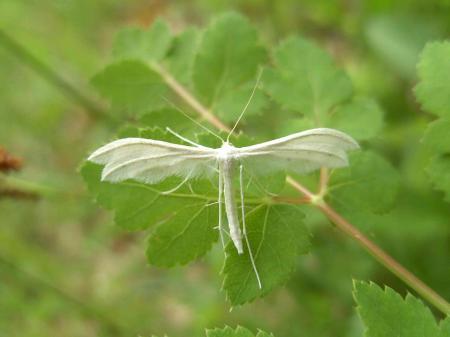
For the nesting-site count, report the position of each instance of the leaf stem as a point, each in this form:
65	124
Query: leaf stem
317	200
386	260
189	98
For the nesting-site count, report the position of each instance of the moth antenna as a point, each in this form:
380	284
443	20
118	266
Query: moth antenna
244	229
246	105
192	119
183	138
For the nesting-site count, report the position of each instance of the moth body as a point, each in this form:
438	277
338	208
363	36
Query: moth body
226	161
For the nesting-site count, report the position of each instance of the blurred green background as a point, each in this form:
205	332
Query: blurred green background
65	270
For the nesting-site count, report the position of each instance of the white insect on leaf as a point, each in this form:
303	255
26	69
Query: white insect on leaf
151	161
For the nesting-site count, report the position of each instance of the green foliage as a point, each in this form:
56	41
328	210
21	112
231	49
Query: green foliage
66	271
433	92
220	71
277	236
238	332
151	45
368	171
226	66
386	314
434	71
306	80
130	86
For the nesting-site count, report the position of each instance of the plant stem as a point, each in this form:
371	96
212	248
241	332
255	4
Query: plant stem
385	259
189	99
51	76
317	200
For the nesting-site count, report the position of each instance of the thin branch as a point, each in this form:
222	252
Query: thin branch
189	98
317	200
50	75
386	260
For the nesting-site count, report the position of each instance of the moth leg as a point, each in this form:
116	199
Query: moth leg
244	229
178	186
222	239
224	231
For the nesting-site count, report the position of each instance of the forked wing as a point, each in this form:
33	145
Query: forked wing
151	161
300	152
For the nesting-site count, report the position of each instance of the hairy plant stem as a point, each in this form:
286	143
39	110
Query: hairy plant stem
317	200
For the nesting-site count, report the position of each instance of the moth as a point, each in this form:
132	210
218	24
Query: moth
151	161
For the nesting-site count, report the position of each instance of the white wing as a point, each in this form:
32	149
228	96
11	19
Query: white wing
151	161
300	152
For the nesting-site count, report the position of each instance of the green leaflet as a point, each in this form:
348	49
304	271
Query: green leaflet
439	173
181	57
226	66
131	86
437	136
147	45
138	206
434	71
277	237
387	314
306	80
361	118
433	92
238	332
369	184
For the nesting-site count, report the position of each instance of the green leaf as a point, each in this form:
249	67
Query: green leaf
188	233
277	237
439	173
227	60
166	117
370	183
131	86
146	45
180	61
306	80
386	314
437	136
433	90
238	332
362	118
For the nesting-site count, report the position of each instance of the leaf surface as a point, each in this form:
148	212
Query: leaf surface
387	314
277	236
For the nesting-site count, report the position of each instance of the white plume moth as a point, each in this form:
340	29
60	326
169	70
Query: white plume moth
150	161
